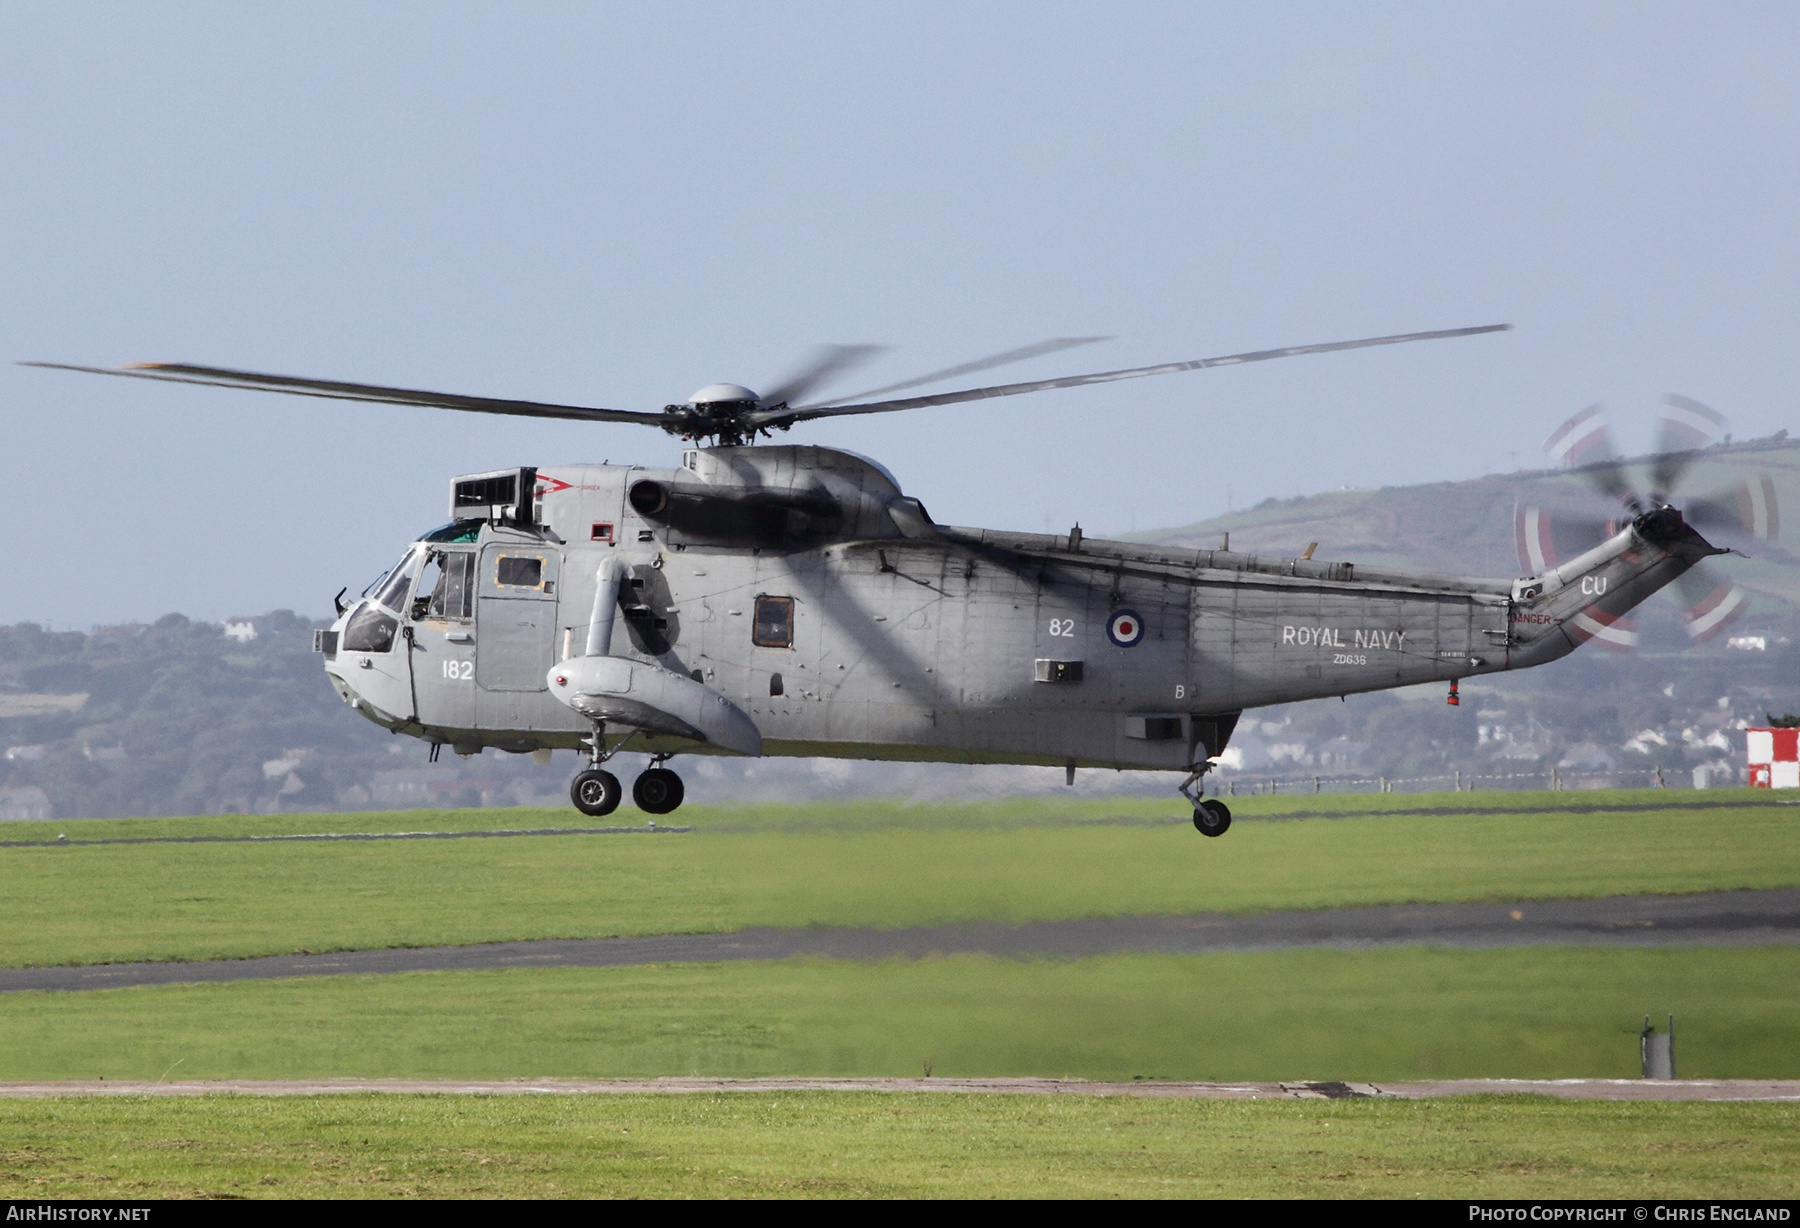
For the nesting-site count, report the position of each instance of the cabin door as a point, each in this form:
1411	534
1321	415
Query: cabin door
515	617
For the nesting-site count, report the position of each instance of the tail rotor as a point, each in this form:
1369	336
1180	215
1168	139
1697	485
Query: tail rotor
1710	603
1744	511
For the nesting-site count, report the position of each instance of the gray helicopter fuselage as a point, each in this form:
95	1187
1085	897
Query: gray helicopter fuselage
804	587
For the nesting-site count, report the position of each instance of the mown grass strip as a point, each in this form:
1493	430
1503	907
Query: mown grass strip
1394	1014
863	814
209	901
863	1145
498	833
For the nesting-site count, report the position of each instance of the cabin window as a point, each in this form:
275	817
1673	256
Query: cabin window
519	571
774	627
447	586
775	687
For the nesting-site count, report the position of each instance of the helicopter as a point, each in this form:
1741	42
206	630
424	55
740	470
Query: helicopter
793	600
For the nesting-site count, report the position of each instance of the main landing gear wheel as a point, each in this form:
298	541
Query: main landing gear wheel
658	791
1212	817
595	792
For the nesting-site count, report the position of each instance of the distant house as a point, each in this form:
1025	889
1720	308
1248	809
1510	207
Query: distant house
1530	751
1719	774
1700	743
1342	753
13	703
1587	757
443	787
275	769
1529	742
24	802
243	630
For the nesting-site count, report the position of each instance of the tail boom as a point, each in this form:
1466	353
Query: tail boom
1562	608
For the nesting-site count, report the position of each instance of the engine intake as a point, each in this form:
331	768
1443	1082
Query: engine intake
649	498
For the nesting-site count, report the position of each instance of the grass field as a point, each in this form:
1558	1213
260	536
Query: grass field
1375	1015
864	814
825	864
1381	1015
873	1145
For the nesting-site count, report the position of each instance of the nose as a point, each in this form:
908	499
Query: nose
341	667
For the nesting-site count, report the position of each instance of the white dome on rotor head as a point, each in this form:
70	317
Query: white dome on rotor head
721	392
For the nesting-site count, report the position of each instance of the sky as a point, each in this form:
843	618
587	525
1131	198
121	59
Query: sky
614	205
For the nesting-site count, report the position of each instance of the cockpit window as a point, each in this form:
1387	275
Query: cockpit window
393	590
774	623
370	630
446	586
519	571
377	582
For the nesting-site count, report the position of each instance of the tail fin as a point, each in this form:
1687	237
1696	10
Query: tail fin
1563	607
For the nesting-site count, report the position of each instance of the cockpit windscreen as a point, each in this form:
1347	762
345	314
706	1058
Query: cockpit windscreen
393	590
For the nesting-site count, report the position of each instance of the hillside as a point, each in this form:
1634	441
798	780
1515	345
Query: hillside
182	717
1468	528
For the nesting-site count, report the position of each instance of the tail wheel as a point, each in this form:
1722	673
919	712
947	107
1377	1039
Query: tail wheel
595	792
1212	817
658	791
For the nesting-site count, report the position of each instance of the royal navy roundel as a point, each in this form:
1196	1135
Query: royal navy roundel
1125	628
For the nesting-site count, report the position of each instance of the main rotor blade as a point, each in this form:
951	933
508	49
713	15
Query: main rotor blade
827	363
220	377
779	417
1035	350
